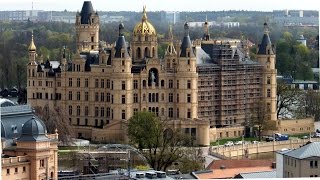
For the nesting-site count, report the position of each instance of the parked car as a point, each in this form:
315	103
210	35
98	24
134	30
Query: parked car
238	143
281	137
269	138
229	143
316	135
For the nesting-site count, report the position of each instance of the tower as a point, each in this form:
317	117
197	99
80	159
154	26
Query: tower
32	69
206	35
144	41
87	28
267	57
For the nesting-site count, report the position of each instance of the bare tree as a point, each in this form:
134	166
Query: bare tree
309	105
54	119
162	144
287	100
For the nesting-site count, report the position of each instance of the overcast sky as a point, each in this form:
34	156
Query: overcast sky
167	5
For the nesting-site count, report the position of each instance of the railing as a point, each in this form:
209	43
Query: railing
17	159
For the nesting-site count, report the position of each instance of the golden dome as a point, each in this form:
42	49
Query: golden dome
144	27
32	46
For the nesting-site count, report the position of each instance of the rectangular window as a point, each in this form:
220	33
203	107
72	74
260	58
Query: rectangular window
170	97
123	85
70	95
188	98
189	113
177	98
135	84
96	96
86	82
108	97
15	170
102	83
170	83
86	96
189	84
123	99
316	164
108	83
23	169
311	164
86	111
96	111
177	84
178	115
78	82
8	171
135	98
70	110
78	96
96	83
41	163
170	112
70	82
268	93
123	114
102	97
102	111
78	111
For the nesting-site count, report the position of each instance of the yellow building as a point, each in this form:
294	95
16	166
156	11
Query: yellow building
28	152
102	87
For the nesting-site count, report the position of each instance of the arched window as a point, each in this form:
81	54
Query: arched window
146	52
138	52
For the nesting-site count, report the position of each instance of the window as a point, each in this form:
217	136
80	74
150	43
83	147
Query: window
102	97
135	84
78	121
78	96
170	97
143	97
162	83
86	82
178	113
123	114
70	95
102	83
23	169
86	96
123	85
42	163
108	112
268	93
188	98
316	164
78	111
108	97
189	113
268	80
96	83
162	97
8	171
177	98
170	112
96	96
15	170
144	83
311	164
108	83
123	99
70	82
189	84
78	82
102	111
135	98
177	84
96	111
70	110
170	83
86	111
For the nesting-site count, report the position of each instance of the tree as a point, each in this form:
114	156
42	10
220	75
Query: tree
192	160
163	144
54	120
287	100
309	105
260	118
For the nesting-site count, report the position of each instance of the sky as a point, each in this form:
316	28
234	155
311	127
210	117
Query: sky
157	5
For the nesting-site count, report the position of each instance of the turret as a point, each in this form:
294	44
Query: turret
32	52
206	35
186	49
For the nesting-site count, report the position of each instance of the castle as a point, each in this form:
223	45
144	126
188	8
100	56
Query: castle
206	87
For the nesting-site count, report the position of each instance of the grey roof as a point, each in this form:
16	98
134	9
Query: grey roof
33	130
186	43
86	12
259	175
309	150
121	44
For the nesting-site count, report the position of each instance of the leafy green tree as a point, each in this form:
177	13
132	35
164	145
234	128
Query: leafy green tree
162	144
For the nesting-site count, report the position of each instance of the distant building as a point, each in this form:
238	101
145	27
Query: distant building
300	162
172	17
28	152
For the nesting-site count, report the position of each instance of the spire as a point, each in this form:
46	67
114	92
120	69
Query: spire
144	12
186	29
121	50
186	45
265	47
170	34
170	48
32	46
206	35
86	12
121	27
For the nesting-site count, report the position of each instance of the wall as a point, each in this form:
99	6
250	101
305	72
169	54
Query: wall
296	126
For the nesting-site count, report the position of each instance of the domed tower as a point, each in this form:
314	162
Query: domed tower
267	57
41	151
32	70
144	42
87	28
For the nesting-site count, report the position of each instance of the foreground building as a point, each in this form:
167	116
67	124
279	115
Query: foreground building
28	152
197	87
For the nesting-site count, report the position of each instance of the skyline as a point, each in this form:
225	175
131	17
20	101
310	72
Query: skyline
165	5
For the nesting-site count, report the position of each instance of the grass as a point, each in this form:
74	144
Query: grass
223	141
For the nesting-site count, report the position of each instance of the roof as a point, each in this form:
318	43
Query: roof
121	44
86	12
259	175
266	42
33	130
144	27
6	102
309	150
233	167
186	43
32	46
